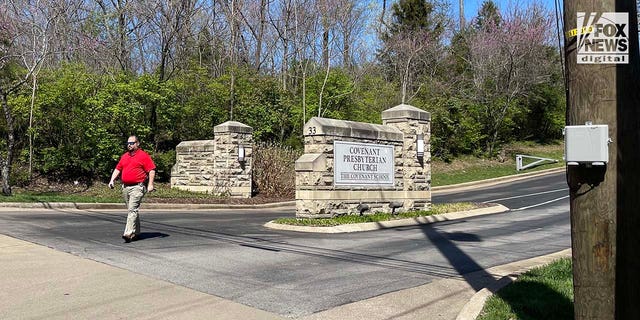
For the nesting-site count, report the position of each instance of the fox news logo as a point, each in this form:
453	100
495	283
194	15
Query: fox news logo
603	38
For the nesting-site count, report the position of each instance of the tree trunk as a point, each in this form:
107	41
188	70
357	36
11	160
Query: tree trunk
232	93
260	35
123	53
234	38
325	46
461	6
6	163
325	34
31	130
346	55
324	84
496	128
304	98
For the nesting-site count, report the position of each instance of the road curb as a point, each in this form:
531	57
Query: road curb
161	206
370	226
494	181
274	205
510	272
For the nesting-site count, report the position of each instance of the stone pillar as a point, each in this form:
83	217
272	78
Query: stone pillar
193	170
412	122
233	177
318	195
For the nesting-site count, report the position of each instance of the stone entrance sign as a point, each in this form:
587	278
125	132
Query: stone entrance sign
353	167
363	164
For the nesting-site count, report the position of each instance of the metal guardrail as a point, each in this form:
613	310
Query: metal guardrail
540	160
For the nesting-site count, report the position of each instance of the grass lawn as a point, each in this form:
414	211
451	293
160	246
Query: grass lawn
469	168
348	219
97	193
541	293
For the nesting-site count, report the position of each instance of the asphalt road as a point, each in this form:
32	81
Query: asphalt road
228	253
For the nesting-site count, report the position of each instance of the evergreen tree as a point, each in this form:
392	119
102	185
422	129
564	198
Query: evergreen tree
413	16
488	16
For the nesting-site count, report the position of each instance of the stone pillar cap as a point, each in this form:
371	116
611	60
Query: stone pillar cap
195	143
232	126
344	128
405	111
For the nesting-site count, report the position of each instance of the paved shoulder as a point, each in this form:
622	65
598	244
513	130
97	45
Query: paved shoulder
47	284
445	299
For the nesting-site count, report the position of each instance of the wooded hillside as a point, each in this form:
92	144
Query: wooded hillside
78	76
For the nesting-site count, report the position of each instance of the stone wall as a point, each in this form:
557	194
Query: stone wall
318	195
212	166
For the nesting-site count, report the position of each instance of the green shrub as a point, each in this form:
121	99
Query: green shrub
164	162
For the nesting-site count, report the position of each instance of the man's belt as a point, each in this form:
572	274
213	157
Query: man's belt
134	184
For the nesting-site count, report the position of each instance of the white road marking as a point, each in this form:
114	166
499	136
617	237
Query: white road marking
540	204
527	195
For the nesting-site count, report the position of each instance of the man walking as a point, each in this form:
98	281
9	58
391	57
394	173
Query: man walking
137	168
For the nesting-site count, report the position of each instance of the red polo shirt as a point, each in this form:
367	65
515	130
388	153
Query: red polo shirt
134	167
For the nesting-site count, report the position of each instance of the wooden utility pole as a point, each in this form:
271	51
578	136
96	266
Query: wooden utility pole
605	201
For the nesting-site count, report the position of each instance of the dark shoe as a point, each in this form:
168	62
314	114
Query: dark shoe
126	238
133	237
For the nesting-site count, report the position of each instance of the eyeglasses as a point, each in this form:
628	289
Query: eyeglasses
131	143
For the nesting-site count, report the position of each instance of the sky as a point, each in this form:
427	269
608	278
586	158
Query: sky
471	7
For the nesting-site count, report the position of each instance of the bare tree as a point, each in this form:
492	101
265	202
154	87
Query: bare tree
211	34
295	26
24	30
117	21
413	50
254	18
414	56
7	86
326	11
71	36
170	23
233	16
39	19
281	20
350	17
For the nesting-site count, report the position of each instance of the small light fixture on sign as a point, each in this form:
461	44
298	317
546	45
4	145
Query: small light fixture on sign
240	153
420	145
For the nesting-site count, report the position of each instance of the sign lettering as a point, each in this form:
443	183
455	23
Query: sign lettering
363	164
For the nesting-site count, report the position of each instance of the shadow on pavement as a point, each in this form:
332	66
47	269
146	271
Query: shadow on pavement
474	274
540	300
150	235
462	236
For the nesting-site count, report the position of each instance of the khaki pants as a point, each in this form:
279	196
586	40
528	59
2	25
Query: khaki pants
133	198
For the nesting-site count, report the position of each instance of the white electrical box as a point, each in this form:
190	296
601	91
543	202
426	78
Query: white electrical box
586	144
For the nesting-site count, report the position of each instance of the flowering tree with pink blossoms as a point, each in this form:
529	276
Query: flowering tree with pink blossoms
507	57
